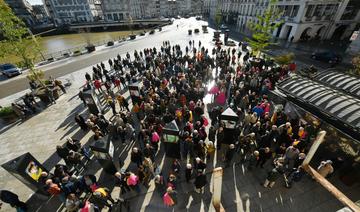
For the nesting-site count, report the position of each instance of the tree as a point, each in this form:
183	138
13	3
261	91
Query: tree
17	41
218	18
284	59
263	29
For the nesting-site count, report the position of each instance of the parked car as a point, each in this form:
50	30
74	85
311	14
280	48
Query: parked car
152	32
230	43
10	70
223	27
329	57
132	37
142	34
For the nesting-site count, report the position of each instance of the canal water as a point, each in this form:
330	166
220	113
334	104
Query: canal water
57	43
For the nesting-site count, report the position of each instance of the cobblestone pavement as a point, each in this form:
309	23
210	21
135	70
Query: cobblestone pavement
241	190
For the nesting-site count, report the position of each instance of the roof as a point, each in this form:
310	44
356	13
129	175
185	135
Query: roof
333	103
338	80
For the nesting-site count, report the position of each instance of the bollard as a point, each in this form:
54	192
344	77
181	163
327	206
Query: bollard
217	183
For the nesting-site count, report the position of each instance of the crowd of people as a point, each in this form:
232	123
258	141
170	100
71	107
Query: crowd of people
173	85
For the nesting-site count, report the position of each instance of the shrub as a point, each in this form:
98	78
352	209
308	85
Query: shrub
5	111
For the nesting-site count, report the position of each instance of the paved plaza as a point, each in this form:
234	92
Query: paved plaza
241	189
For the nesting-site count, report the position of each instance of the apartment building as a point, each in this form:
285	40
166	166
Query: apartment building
73	11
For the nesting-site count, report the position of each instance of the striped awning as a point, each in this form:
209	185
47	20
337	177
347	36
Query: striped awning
334	103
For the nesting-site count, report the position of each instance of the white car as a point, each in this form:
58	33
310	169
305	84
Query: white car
10	70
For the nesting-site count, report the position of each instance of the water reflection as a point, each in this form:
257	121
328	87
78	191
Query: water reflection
56	43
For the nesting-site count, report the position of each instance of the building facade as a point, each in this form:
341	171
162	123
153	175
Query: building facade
302	19
73	11
318	20
41	14
23	10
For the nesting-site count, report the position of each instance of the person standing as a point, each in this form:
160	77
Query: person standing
200	182
111	103
12	199
136	156
229	155
169	197
81	122
273	175
49	93
188	172
264	155
325	168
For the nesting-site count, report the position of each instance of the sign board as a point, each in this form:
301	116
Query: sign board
354	35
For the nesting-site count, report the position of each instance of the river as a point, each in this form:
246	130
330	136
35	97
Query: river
57	43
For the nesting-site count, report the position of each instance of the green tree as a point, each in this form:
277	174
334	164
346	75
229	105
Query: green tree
218	18
263	29
17	41
284	59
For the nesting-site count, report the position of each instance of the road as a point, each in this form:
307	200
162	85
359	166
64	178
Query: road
61	68
171	33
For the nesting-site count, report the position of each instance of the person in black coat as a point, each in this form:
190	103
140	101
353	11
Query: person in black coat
12	199
81	122
199	166
136	156
264	155
200	182
229	155
188	172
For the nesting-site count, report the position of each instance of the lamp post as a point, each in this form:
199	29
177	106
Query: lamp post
103	150
229	120
171	140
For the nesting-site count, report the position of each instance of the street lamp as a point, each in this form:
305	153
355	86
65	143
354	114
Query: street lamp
171	140
229	120
103	150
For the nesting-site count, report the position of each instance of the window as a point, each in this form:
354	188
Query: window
287	10
295	11
351	10
309	11
319	11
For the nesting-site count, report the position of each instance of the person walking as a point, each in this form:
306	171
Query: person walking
12	199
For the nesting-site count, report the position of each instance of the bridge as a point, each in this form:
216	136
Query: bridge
107	24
